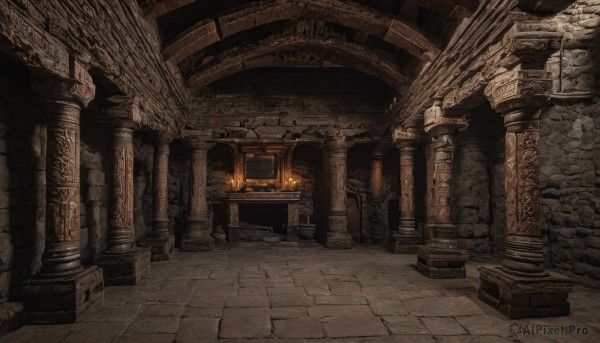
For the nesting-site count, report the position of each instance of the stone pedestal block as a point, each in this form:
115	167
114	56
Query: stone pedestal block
339	240
233	234
63	300
161	248
404	244
11	317
125	269
292	234
439	263
523	296
197	244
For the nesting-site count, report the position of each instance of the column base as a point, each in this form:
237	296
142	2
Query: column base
11	316
197	244
522	296
439	263
403	244
126	269
339	240
161	248
233	234
292	234
63	300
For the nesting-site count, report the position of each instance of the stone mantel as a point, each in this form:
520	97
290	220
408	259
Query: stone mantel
265	197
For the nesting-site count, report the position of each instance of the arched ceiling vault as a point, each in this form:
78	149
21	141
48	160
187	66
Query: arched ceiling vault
396	31
288	50
388	39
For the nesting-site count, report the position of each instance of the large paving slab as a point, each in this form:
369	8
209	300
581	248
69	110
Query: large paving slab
307	327
352	325
442	307
245	323
197	330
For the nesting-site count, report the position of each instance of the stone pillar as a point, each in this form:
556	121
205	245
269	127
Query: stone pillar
406	240
161	242
122	262
63	290
521	287
376	230
441	258
197	236
338	236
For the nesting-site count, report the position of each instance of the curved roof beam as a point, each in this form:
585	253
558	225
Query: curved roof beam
327	52
393	30
159	7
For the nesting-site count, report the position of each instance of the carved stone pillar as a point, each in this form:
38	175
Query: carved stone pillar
122	262
161	242
521	287
441	258
197	236
375	231
405	240
338	236
63	290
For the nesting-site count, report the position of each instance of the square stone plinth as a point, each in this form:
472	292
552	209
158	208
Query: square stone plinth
339	240
522	296
197	244
437	263
399	244
63	300
161	248
126	269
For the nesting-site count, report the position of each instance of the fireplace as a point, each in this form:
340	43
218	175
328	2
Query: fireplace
276	211
270	217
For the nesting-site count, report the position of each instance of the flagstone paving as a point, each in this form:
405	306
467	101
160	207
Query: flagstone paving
253	292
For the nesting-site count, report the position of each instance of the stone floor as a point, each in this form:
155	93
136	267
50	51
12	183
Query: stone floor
261	293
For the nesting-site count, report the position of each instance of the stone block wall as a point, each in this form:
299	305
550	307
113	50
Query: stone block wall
570	149
22	182
479	182
307	167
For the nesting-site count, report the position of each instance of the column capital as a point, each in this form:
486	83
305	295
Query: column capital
532	42
404	137
122	111
56	89
444	122
338	143
161	138
197	139
519	89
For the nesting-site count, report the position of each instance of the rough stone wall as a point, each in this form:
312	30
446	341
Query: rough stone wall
143	153
22	183
179	168
570	149
476	180
95	145
281	103
307	167
113	38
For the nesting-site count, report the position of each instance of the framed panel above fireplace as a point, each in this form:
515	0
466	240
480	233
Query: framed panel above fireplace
262	165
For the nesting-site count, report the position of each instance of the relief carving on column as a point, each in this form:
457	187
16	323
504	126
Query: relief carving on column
519	88
160	175
405	140
122	181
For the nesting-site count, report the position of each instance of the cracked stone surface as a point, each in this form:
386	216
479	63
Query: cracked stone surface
259	293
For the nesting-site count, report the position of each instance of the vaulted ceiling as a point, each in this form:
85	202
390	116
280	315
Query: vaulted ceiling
387	39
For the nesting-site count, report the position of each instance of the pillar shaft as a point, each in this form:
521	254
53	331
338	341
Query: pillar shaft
407	191
197	217
120	238
61	255
524	255
443	230
197	236
160	188
376	181
337	233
